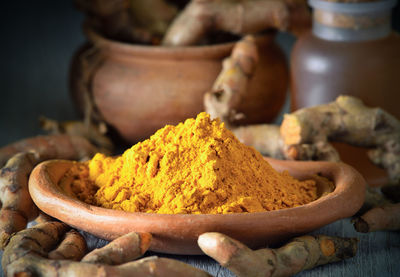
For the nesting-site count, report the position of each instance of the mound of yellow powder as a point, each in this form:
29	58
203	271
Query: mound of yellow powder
195	167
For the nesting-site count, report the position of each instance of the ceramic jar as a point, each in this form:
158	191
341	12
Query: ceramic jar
138	89
350	50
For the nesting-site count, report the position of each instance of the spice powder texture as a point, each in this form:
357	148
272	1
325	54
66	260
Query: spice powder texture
196	167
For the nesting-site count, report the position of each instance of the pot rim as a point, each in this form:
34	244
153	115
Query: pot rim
169	52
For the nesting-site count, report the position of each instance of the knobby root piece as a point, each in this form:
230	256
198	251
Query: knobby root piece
379	211
72	247
231	84
95	133
374	198
50	147
381	218
17	206
345	120
265	138
151	266
43	218
26	252
387	153
38	240
300	254
238	17
120	250
229	90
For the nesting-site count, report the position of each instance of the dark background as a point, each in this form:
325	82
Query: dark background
38	39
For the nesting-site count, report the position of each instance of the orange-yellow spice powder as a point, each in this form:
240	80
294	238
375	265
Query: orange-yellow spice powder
196	167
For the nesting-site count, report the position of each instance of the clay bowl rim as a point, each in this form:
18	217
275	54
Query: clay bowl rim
171	232
219	50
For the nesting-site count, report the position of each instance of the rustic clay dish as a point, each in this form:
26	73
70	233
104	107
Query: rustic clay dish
178	233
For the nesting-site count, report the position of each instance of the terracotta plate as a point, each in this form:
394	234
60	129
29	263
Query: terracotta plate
178	233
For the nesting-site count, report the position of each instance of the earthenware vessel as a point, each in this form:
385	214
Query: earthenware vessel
138	89
178	233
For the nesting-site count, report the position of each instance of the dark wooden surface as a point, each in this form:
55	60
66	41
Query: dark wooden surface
38	40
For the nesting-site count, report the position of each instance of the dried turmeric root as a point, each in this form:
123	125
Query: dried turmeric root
50	147
72	247
300	254
380	211
17	206
120	250
231	83
266	138
346	120
26	255
374	198
228	91
238	17
379	218
95	133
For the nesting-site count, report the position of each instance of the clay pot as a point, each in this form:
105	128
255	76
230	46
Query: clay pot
139	89
178	233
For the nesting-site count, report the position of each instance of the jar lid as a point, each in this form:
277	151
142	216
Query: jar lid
351	6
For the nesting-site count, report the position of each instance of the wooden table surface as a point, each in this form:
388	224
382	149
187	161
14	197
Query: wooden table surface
38	40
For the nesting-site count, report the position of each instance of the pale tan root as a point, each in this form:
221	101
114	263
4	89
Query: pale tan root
346	120
231	83
379	218
72	247
120	250
265	138
228	91
374	198
238	17
380	211
26	252
299	254
387	154
151	266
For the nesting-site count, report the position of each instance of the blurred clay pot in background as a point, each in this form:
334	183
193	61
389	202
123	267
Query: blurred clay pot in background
138	89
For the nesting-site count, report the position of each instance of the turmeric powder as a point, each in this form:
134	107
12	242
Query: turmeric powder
196	167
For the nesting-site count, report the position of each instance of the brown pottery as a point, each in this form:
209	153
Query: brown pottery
138	89
178	233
